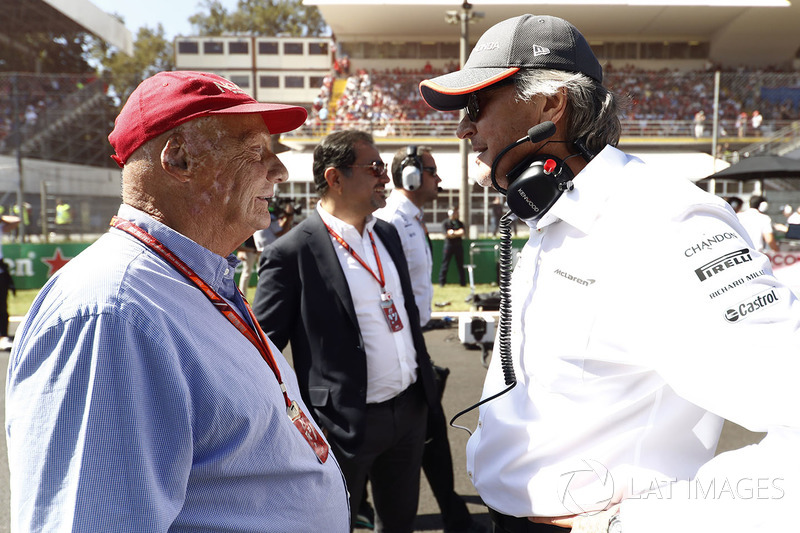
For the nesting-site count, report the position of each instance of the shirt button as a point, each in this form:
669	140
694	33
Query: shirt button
227	271
469	473
480	424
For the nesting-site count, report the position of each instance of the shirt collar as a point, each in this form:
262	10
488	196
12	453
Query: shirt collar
593	186
214	269
341	227
402	204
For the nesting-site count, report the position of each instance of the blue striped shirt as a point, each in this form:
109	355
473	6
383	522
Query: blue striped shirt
132	404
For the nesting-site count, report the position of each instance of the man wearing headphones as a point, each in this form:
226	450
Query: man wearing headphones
416	183
627	343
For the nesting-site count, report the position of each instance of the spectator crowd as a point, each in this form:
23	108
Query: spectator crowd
384	101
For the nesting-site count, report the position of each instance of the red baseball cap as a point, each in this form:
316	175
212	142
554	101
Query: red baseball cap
168	99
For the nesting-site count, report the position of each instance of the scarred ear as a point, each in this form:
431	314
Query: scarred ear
174	158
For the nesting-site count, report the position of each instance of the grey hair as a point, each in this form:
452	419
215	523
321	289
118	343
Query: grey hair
594	110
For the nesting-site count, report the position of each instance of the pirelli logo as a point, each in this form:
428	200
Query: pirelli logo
723	263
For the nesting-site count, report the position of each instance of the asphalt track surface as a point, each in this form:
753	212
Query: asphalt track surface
463	389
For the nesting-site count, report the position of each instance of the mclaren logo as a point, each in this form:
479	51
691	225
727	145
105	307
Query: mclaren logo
579	281
757	302
723	263
528	200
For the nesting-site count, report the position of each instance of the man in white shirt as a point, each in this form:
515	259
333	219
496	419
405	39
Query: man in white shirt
758	224
626	344
416	183
337	287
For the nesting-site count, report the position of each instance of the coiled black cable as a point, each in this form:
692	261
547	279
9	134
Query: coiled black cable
504	328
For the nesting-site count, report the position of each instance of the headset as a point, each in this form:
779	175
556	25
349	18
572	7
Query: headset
537	181
411	169
535	184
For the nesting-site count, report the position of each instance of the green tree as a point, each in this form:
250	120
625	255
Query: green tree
261	18
152	53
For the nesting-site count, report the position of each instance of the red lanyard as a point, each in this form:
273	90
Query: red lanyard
253	333
381	280
255	336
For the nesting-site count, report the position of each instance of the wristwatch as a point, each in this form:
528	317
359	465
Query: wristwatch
615	524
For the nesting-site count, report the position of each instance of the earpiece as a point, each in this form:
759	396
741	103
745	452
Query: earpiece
535	185
411	169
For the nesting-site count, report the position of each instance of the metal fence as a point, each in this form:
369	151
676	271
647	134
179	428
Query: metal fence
67	118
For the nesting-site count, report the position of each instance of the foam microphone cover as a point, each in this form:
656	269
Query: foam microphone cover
542	131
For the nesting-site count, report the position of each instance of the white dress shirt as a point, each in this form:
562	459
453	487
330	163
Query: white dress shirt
640	318
407	218
391	357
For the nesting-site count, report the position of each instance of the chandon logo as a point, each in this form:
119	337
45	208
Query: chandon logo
750	305
723	263
528	200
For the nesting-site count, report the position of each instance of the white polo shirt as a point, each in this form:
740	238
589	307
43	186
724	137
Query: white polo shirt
640	318
407	218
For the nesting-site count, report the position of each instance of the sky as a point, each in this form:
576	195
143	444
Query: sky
172	14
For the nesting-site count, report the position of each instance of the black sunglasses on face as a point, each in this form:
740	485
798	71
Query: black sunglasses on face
432	170
473	105
378	168
473	109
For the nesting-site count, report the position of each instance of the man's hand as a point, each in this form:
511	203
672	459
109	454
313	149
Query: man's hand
596	523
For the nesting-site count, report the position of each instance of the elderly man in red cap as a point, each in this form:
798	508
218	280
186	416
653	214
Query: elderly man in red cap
142	395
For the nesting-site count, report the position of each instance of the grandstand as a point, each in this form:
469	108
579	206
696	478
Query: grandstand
664	57
54	127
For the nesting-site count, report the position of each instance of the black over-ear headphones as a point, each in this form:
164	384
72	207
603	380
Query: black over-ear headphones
411	169
537	181
535	185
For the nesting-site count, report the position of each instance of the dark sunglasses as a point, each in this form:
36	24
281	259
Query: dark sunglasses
378	168
473	103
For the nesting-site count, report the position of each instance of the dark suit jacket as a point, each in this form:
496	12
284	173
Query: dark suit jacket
303	298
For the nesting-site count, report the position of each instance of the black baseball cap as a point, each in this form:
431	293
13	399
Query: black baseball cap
524	42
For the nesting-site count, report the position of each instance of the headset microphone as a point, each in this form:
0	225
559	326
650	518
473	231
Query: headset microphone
537	181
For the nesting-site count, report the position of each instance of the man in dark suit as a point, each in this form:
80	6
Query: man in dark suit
337	287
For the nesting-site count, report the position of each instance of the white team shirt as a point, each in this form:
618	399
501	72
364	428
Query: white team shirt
407	218
635	327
